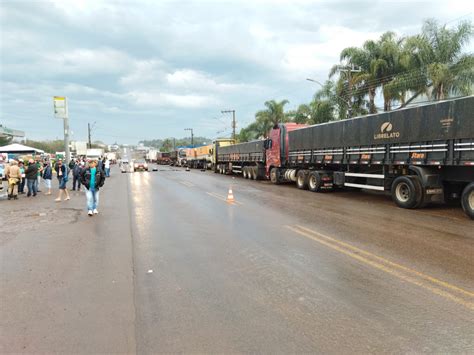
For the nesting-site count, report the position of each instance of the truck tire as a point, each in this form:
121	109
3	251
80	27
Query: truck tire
275	176
302	179
467	200
407	192
314	181
254	170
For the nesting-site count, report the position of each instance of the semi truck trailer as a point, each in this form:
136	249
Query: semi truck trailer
419	155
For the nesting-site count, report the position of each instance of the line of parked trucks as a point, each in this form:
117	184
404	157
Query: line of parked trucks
419	155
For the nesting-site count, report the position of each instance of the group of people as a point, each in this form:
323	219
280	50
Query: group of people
91	174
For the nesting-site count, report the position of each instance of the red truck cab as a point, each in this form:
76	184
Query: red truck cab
276	145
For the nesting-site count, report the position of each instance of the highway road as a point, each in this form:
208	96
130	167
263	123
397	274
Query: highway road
283	270
278	270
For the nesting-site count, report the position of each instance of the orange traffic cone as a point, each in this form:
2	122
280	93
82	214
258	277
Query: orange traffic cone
230	195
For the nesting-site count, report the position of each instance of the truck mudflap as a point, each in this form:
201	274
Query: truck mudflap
433	195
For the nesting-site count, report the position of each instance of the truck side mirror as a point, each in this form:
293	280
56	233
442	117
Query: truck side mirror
267	144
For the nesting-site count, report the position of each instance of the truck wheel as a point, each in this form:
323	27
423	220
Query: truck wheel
314	181
407	192
467	200
254	173
275	176
302	180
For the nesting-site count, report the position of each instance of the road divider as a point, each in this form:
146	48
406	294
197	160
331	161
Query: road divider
441	288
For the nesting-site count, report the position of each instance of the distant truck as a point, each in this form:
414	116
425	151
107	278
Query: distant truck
151	155
81	148
94	153
163	158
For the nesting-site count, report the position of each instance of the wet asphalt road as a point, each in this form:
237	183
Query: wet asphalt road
168	266
284	270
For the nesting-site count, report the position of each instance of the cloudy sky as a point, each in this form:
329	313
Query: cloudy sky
149	69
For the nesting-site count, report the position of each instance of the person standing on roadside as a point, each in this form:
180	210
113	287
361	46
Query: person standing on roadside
107	167
93	179
13	178
21	187
62	173
39	174
76	177
31	174
47	177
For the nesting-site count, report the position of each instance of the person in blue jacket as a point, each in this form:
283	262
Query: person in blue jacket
93	179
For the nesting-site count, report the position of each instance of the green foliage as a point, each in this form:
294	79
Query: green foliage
168	144
48	146
400	69
5	141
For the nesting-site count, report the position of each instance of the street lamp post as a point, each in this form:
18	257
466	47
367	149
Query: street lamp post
348	103
192	136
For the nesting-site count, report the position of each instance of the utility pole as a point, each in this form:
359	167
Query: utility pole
233	121
192	136
89	130
347	103
350	69
89	134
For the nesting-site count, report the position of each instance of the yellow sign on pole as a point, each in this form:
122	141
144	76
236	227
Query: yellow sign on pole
60	107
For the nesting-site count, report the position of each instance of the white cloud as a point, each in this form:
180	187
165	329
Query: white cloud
307	58
183	60
161	99
89	61
144	73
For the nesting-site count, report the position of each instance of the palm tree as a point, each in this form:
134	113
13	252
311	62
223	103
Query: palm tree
436	56
322	111
275	111
303	114
365	79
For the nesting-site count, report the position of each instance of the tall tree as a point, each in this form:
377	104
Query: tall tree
275	111
167	145
5	141
302	114
436	57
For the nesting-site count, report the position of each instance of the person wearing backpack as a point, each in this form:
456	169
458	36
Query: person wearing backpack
93	179
62	173
31	174
47	177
